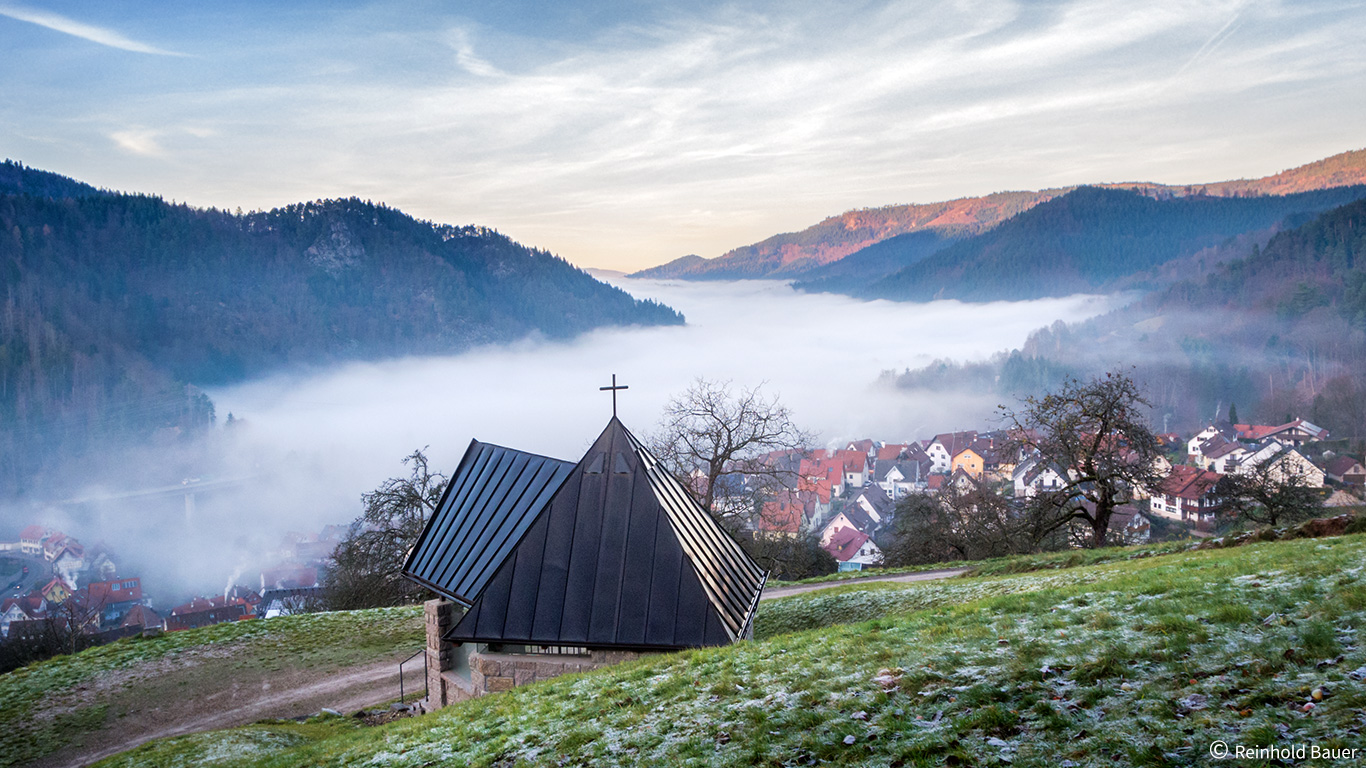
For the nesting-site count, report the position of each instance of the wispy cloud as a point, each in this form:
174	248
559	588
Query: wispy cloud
89	32
708	127
138	141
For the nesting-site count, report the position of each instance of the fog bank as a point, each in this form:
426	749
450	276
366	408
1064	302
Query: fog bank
821	354
309	443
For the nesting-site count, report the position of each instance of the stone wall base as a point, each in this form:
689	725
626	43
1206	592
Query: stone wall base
489	672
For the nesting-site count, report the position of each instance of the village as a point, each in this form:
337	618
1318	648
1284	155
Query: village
845	497
58	587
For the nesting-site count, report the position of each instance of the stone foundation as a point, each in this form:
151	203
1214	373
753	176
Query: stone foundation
456	673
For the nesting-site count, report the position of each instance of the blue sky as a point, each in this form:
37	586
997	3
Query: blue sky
622	136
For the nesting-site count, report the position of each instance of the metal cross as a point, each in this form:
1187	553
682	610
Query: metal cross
614	389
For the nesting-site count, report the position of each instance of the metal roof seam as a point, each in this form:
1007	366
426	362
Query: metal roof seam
686	528
419	552
474	521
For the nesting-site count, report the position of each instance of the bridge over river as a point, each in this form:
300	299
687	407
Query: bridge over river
102	501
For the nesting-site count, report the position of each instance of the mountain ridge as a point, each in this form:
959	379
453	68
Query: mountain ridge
1084	241
795	254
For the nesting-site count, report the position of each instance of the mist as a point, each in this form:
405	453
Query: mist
306	444
821	354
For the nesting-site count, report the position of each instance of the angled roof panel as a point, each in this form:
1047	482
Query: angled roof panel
731	579
621	556
488	505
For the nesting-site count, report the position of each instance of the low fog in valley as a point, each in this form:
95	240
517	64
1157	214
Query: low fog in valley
305	444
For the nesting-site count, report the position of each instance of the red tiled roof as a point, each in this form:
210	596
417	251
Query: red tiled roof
31	604
845	543
780	517
140	616
820	487
33	533
1189	483
954	442
1222	449
103	592
890	452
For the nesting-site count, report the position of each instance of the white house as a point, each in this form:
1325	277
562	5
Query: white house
898	479
875	504
1034	476
24	608
1282	465
944	447
855	469
1186	494
851	518
31	539
1220	455
853	550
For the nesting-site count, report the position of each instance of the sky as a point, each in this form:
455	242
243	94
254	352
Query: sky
622	135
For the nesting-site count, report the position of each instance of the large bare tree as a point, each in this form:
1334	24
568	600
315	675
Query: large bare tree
718	439
955	524
1096	432
366	569
1269	495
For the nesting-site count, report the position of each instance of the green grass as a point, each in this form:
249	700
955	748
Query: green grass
49	705
1010	564
230	748
1141	661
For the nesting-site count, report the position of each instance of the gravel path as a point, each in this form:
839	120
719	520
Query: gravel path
227	698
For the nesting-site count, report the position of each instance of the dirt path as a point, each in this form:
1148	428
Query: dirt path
770	594
211	697
215	692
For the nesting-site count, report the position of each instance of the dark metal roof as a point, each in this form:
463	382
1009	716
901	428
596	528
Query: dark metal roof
623	557
490	501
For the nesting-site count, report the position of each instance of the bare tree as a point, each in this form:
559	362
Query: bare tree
1097	433
718	441
1269	495
366	569
790	557
955	524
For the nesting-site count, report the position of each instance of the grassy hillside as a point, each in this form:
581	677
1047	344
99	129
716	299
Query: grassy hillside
58	703
1144	662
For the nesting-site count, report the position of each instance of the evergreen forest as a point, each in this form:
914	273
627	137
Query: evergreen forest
117	307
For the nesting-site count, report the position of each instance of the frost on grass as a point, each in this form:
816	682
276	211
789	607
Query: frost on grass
48	705
1132	663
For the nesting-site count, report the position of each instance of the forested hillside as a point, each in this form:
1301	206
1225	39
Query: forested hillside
1319	264
852	273
1084	240
1280	332
804	253
113	303
796	253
